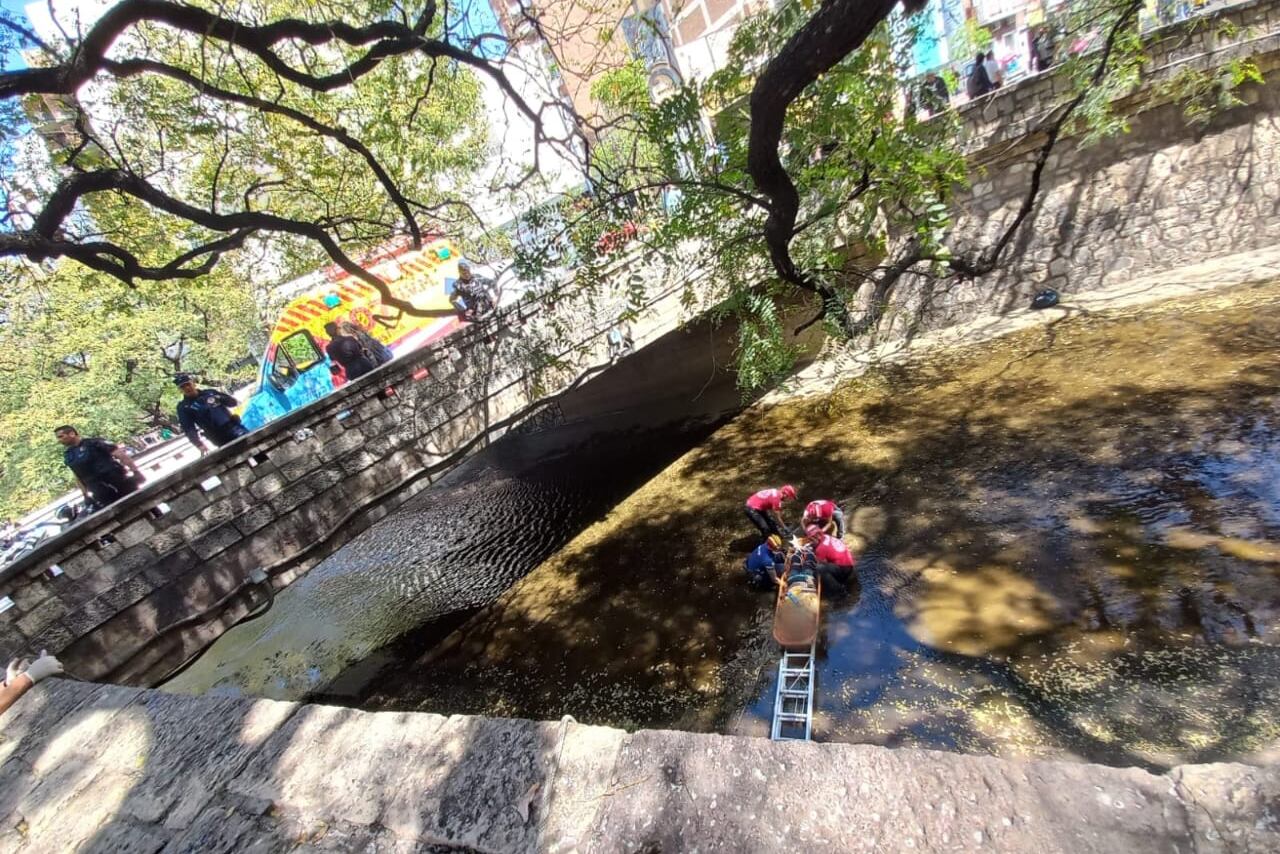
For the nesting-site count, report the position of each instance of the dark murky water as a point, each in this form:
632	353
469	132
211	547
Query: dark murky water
411	577
1070	547
1071	543
1081	557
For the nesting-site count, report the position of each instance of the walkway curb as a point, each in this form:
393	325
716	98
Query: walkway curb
105	768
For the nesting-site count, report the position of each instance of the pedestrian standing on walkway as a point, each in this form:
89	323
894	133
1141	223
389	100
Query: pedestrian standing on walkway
619	340
103	470
378	352
346	351
209	410
994	72
935	97
472	295
978	83
1042	50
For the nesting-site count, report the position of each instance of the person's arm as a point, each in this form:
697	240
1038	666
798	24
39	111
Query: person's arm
123	458
20	680
188	422
777	515
227	400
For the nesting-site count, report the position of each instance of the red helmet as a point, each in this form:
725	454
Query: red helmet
813	532
788	492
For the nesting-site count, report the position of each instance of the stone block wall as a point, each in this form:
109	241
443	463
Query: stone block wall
136	589
1165	194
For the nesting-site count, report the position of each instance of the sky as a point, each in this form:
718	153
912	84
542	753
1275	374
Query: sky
14	9
477	17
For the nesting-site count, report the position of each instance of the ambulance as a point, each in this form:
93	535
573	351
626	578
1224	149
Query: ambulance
295	369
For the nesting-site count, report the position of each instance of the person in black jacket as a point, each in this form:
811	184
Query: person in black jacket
979	82
207	409
375	349
934	95
103	470
346	351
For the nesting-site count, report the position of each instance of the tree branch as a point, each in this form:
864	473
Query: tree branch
837	29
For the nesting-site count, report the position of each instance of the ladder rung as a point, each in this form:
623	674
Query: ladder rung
793	701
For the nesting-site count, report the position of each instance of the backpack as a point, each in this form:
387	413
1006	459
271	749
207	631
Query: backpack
978	83
1047	298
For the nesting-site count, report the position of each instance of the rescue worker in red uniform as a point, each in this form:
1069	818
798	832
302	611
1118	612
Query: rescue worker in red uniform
835	562
764	509
826	514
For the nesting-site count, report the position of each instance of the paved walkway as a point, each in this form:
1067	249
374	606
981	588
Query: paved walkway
104	768
841	361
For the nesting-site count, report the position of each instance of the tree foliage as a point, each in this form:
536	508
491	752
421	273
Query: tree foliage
173	131
819	187
81	347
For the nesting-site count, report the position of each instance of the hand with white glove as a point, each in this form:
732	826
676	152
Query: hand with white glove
43	667
15	670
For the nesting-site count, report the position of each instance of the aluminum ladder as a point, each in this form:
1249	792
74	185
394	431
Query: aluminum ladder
793	702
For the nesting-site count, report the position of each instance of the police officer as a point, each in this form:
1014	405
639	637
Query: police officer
101	468
207	409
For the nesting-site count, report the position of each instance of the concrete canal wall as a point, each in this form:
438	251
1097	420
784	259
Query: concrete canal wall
105	768
1168	193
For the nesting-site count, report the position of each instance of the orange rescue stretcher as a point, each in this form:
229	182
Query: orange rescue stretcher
798	609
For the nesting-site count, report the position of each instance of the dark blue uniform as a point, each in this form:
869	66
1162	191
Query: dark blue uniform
104	478
760	561
208	411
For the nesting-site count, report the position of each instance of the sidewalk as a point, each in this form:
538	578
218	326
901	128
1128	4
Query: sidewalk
104	768
840	361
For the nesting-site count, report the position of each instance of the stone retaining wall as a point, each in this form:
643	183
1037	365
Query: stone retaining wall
99	768
1166	194
136	589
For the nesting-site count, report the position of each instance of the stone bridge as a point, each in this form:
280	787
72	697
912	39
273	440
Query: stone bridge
136	589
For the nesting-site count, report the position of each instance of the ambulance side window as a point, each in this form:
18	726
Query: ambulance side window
283	373
302	350
294	355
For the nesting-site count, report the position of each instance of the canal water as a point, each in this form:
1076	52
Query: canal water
446	552
1069	540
